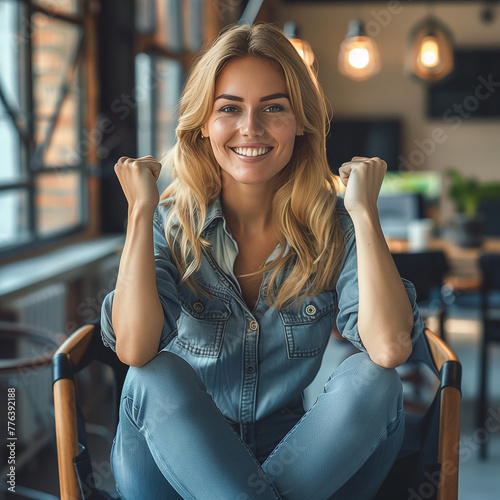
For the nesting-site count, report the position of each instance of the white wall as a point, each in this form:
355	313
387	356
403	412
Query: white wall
471	145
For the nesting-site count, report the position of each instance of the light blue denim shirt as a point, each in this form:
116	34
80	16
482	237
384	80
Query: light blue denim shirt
252	362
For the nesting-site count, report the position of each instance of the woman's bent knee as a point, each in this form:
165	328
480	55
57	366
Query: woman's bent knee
166	384
366	381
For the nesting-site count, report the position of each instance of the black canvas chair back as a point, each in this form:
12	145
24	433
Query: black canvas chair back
426	270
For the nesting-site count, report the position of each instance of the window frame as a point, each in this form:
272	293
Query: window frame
31	163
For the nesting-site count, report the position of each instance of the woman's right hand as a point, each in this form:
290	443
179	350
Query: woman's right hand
138	178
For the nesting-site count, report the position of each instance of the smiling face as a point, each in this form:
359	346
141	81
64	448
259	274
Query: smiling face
252	127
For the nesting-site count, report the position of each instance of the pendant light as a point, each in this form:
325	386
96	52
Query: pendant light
430	54
358	55
303	47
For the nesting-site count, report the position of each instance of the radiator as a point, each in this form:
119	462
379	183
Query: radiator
44	309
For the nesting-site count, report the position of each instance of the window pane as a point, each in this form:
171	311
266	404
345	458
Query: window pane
14	219
54	46
57	201
60	6
144	107
11	44
145	13
10	40
167	97
63	146
168	16
166	111
193	16
9	145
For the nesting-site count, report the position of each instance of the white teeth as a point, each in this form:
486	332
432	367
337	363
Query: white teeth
252	151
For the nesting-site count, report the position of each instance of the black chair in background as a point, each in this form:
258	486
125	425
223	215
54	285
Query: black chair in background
489	209
426	270
490	315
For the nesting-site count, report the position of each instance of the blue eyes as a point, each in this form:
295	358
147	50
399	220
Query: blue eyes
275	108
228	109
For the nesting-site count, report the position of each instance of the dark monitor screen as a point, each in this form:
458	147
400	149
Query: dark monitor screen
363	137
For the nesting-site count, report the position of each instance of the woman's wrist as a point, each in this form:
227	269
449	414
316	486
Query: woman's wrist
365	216
141	211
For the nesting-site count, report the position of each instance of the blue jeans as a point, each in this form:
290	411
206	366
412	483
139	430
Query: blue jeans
172	441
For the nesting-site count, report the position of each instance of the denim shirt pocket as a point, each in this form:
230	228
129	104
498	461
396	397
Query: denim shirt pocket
308	328
202	323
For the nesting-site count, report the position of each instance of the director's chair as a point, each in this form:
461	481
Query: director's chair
428	459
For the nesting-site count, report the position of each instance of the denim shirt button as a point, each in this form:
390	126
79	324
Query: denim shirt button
250	369
198	307
253	325
310	310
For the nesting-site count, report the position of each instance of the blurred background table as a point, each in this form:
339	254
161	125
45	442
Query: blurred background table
464	273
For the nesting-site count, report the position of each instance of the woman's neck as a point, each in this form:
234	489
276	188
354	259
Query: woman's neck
247	209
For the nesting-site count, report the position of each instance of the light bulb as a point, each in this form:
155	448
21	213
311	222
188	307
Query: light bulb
429	52
359	58
358	54
304	49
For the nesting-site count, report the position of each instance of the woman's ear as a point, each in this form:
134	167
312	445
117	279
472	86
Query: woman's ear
300	130
204	130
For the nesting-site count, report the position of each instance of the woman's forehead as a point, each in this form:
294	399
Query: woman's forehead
250	75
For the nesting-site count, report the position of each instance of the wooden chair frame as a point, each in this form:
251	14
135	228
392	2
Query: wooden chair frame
450	371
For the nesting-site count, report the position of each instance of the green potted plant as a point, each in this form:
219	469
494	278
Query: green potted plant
467	194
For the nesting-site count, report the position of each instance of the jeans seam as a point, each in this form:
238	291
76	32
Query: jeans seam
377	444
142	428
266	478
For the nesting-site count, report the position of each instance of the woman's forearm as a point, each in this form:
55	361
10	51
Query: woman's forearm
137	315
385	317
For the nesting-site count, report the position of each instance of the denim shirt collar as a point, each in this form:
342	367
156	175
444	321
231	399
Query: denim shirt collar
214	214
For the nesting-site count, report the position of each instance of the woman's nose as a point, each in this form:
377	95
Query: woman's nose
251	125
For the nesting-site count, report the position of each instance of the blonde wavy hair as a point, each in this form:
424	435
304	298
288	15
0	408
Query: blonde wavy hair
305	196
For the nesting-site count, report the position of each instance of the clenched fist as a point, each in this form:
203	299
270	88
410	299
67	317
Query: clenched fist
362	178
138	178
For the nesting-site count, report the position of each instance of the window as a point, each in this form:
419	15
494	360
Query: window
170	32
43	108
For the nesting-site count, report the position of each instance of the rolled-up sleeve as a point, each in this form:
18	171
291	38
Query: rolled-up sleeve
166	279
348	300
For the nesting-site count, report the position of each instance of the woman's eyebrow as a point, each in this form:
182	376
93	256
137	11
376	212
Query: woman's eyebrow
279	95
230	97
270	97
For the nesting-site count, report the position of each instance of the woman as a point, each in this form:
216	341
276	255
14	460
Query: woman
229	289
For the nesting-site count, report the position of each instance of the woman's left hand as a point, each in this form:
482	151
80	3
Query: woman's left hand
362	178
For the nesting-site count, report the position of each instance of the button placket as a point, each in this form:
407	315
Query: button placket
250	369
